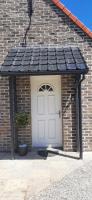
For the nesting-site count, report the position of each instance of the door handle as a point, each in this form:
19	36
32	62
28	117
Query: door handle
59	113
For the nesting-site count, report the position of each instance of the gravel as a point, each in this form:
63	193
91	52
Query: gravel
76	186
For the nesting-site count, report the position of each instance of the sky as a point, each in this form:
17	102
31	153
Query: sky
82	9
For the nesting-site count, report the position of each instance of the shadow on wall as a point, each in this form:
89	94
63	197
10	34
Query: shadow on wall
69	110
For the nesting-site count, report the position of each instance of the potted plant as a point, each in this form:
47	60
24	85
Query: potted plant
22	120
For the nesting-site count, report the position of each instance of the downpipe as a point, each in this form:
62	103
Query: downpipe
79	80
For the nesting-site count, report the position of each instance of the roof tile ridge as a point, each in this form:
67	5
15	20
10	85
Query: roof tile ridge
72	17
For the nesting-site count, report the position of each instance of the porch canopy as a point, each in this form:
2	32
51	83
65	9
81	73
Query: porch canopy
44	61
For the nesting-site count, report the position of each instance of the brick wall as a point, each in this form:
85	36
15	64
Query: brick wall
23	92
69	112
49	26
5	133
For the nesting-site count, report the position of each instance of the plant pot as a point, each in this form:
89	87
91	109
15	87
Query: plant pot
22	149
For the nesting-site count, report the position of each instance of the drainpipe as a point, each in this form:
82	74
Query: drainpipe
12	117
80	117
79	113
12	92
30	11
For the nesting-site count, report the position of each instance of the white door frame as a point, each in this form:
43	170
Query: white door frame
50	79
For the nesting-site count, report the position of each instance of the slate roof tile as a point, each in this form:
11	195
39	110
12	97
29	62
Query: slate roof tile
17	58
61	67
51	53
42	49
51	49
71	66
59	53
61	61
39	59
43	57
43	53
59	49
28	58
12	54
35	54
34	67
68	56
60	57
26	62
67	49
21	50
77	56
79	61
43	62
28	54
28	50
20	54
43	67
17	63
9	58
52	67
13	50
70	60
51	57
34	62
51	61
8	62
80	66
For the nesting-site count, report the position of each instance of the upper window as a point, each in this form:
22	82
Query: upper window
46	87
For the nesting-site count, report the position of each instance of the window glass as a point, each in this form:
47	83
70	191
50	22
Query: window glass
45	87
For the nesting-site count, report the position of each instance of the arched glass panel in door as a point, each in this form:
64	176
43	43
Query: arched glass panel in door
45	87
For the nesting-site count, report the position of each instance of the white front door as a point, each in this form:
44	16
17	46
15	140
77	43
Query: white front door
46	111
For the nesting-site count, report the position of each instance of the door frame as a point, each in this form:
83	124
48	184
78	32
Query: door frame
32	121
